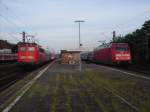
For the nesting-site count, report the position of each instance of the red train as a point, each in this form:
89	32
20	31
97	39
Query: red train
32	54
112	53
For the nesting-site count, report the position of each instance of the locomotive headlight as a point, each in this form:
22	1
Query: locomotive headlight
118	55
128	57
117	58
30	57
22	57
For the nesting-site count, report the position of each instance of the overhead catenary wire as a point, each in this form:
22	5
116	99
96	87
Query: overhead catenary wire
119	26
12	13
9	34
5	18
16	39
11	22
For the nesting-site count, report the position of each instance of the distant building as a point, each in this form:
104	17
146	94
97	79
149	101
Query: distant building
70	57
6	47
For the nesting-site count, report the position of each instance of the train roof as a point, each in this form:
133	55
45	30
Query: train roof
108	45
24	43
119	43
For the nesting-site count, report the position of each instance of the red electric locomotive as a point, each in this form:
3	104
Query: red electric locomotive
32	54
112	53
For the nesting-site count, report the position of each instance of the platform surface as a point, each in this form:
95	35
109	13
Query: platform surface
63	88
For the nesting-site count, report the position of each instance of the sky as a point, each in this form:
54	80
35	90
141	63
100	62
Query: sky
52	21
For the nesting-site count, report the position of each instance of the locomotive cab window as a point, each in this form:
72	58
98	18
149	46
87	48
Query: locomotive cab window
22	49
121	49
31	49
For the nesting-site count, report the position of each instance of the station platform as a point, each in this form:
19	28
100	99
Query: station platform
63	88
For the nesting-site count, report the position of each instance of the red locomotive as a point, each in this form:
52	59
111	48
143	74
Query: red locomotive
32	54
112	53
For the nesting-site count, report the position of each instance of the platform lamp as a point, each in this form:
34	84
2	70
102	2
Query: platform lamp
80	21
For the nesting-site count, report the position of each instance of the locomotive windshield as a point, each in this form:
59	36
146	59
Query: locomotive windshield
22	49
122	49
31	49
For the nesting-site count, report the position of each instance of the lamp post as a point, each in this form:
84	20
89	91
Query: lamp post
80	21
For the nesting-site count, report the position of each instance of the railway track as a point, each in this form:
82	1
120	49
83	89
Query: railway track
131	72
144	69
115	81
10	74
128	70
22	86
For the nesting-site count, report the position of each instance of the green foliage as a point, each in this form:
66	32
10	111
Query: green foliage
137	42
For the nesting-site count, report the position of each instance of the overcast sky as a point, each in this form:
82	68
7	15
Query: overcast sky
52	21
